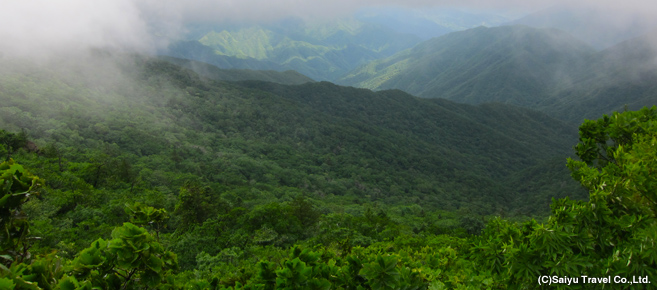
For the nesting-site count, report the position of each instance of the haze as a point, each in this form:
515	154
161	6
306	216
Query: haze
35	28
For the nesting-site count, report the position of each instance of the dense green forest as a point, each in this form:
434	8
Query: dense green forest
289	77
133	173
509	64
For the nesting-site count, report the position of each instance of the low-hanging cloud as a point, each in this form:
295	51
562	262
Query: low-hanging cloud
40	27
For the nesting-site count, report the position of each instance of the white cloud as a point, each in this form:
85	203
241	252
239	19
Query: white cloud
38	27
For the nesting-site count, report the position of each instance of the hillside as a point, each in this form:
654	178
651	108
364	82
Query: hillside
543	69
322	51
194	50
222	184
324	139
210	71
512	64
125	167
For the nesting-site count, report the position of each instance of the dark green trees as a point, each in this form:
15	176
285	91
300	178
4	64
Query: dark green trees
10	142
16	186
613	234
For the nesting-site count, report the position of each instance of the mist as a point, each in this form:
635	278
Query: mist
39	28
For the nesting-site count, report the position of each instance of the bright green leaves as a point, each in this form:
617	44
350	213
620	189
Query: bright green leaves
70	283
613	233
137	251
267	274
37	275
599	138
132	255
132	245
16	186
381	274
90	258
146	215
6	284
300	271
625	180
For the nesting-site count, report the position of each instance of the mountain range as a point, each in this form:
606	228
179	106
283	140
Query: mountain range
320	51
323	138
544	69
494	113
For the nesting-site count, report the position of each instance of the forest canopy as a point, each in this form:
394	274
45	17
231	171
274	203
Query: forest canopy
293	245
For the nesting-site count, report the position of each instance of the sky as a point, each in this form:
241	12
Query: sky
31	27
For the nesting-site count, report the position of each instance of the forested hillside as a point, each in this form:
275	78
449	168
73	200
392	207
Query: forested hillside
326	139
510	64
217	238
321	51
544	69
209	71
199	145
262	163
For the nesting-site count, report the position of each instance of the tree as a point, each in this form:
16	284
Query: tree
614	232
133	258
16	186
12	142
194	205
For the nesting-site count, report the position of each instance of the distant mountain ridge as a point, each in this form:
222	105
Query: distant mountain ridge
320	51
544	69
289	77
510	64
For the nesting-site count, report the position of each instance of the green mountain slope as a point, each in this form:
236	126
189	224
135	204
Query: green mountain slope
210	71
322	51
336	143
196	51
511	64
543	69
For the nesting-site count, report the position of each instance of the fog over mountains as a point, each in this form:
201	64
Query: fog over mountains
361	144
445	56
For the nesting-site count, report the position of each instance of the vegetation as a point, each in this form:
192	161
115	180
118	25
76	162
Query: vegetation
322	51
508	64
212	72
611	234
543	69
150	177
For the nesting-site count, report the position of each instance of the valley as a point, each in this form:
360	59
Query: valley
391	149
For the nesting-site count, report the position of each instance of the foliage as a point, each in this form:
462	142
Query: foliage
273	186
16	186
610	234
320	51
133	257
